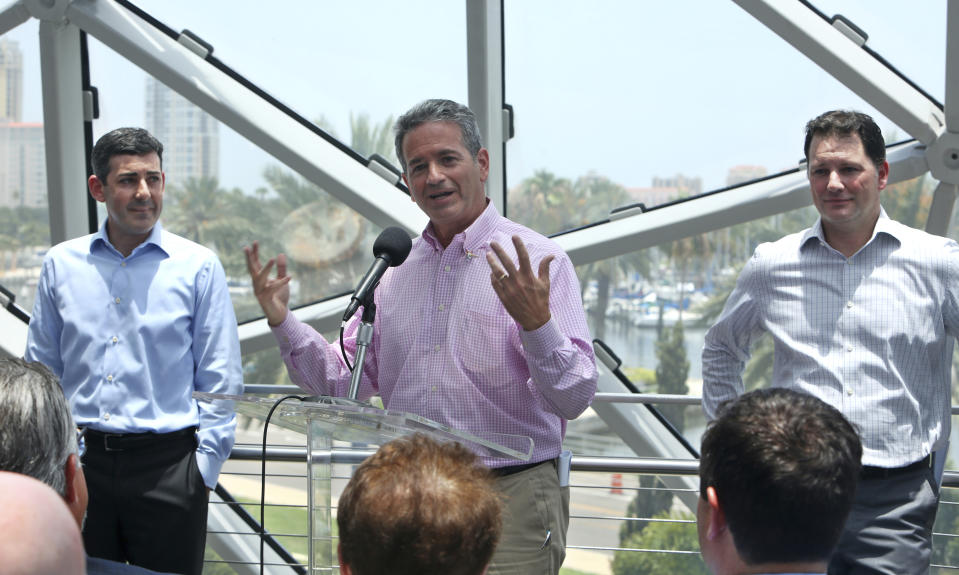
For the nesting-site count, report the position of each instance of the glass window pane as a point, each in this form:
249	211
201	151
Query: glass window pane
653	307
224	192
921	56
24	216
634	301
333	62
663	99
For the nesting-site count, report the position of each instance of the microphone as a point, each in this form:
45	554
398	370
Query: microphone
390	249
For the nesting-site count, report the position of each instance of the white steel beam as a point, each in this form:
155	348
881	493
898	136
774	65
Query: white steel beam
12	15
246	113
713	212
324	317
638	232
940	212
13	333
484	53
851	65
63	130
952	66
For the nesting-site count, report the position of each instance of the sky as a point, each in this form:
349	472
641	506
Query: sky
628	90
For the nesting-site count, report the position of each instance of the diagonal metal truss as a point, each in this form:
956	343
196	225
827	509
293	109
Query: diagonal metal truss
178	63
845	59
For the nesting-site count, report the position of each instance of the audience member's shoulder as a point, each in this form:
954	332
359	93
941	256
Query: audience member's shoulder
98	566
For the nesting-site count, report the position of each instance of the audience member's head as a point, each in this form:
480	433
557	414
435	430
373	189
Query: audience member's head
38	437
843	123
123	142
439	111
37	534
419	506
778	474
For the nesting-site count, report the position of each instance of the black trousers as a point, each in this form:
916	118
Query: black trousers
148	502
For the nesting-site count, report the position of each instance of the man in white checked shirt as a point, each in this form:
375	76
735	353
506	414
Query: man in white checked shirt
863	312
482	329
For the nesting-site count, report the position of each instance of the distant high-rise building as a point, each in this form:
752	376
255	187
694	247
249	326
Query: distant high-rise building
742	174
23	174
686	186
190	136
654	196
11	81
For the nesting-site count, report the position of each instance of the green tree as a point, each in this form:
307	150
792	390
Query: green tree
600	196
368	138
545	203
652	498
549	204
322	237
27	226
672	371
665	536
685	253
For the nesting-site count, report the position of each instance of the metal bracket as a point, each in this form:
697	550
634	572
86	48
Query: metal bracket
943	158
49	10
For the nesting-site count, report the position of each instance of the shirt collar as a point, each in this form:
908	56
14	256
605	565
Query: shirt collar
472	240
155	238
884	225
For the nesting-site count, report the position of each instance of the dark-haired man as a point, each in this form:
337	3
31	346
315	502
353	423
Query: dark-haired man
482	329
133	320
863	312
777	478
419	506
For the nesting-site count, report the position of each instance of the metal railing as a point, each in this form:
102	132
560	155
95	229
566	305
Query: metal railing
602	489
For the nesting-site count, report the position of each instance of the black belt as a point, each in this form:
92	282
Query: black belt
870	472
511	469
127	441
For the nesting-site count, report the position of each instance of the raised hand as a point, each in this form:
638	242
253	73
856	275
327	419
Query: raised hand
524	295
273	294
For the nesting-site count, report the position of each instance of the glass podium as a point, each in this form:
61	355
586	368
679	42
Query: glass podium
325	420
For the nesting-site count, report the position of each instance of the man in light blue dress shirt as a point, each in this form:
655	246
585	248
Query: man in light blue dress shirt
133	320
863	312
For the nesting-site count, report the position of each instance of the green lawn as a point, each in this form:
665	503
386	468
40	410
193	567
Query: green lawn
285	520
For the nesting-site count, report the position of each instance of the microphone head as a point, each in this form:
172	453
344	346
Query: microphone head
393	244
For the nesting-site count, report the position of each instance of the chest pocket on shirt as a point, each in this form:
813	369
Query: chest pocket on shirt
487	347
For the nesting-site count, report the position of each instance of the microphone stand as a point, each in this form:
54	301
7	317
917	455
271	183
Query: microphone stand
363	338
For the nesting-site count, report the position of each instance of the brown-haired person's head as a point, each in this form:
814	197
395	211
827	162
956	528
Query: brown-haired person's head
419	506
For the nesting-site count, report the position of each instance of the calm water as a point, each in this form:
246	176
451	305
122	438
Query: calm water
637	346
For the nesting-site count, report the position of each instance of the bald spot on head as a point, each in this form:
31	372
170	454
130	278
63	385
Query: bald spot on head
38	535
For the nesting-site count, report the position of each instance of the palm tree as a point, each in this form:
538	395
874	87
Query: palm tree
544	203
549	204
305	215
368	138
194	207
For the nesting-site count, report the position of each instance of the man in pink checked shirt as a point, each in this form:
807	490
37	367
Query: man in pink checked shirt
481	329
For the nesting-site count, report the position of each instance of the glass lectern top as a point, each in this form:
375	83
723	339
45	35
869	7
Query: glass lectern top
359	422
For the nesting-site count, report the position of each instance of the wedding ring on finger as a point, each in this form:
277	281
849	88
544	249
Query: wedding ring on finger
502	276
